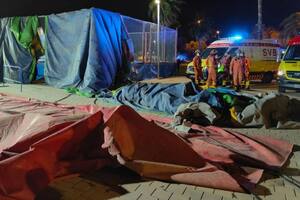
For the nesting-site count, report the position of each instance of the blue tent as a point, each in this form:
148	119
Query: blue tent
85	49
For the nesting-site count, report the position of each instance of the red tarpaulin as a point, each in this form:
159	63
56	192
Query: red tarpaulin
209	157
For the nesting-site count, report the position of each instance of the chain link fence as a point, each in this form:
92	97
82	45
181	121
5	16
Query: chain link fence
144	37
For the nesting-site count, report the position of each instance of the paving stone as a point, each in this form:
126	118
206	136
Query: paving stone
272	182
191	190
146	197
224	194
177	188
176	196
145	188
149	191
190	193
132	187
159	184
207	190
242	196
129	196
162	194
275	196
291	195
196	195
297	193
210	196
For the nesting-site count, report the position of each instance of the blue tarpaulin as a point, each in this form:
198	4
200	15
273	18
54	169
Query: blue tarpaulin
3	24
164	97
84	49
15	60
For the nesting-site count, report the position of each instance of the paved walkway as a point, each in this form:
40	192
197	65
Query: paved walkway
121	183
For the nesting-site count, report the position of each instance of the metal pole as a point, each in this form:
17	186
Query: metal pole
164	45
260	20
143	42
158	34
176	43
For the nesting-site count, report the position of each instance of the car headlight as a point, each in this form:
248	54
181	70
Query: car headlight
280	73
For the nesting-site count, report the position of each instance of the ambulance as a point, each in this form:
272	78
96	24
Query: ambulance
289	69
264	55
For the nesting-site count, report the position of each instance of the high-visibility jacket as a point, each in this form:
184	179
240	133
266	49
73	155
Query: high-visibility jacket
211	62
221	68
236	69
197	62
247	65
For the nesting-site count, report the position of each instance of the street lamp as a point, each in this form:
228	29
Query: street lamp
157	2
218	34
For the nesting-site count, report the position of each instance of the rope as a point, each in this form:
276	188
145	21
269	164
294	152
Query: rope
95	101
64	98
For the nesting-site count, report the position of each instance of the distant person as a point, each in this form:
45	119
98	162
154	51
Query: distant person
223	70
246	70
197	67
236	70
211	64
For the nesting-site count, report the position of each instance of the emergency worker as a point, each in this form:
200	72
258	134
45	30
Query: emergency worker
211	64
197	67
247	65
224	69
236	70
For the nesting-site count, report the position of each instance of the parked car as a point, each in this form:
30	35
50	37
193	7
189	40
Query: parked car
289	69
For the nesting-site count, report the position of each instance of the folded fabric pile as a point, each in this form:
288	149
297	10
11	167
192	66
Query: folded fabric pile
68	143
272	111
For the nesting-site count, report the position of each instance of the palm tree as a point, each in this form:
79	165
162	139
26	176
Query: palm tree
290	26
170	10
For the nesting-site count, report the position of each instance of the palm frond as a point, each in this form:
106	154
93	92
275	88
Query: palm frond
170	11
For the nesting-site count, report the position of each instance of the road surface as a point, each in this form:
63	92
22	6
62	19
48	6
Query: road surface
271	87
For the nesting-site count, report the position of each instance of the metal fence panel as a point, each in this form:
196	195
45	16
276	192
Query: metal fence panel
144	37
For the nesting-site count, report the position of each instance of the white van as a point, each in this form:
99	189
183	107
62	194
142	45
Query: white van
264	55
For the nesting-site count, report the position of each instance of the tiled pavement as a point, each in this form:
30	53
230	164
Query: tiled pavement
122	184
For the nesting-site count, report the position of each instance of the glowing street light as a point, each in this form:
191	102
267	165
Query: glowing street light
157	2
199	21
218	34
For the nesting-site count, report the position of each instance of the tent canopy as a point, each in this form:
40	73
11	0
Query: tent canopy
89	49
87	55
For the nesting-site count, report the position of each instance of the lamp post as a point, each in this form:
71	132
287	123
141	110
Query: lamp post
157	2
260	20
218	34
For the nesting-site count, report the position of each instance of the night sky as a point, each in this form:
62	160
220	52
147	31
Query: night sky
228	15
